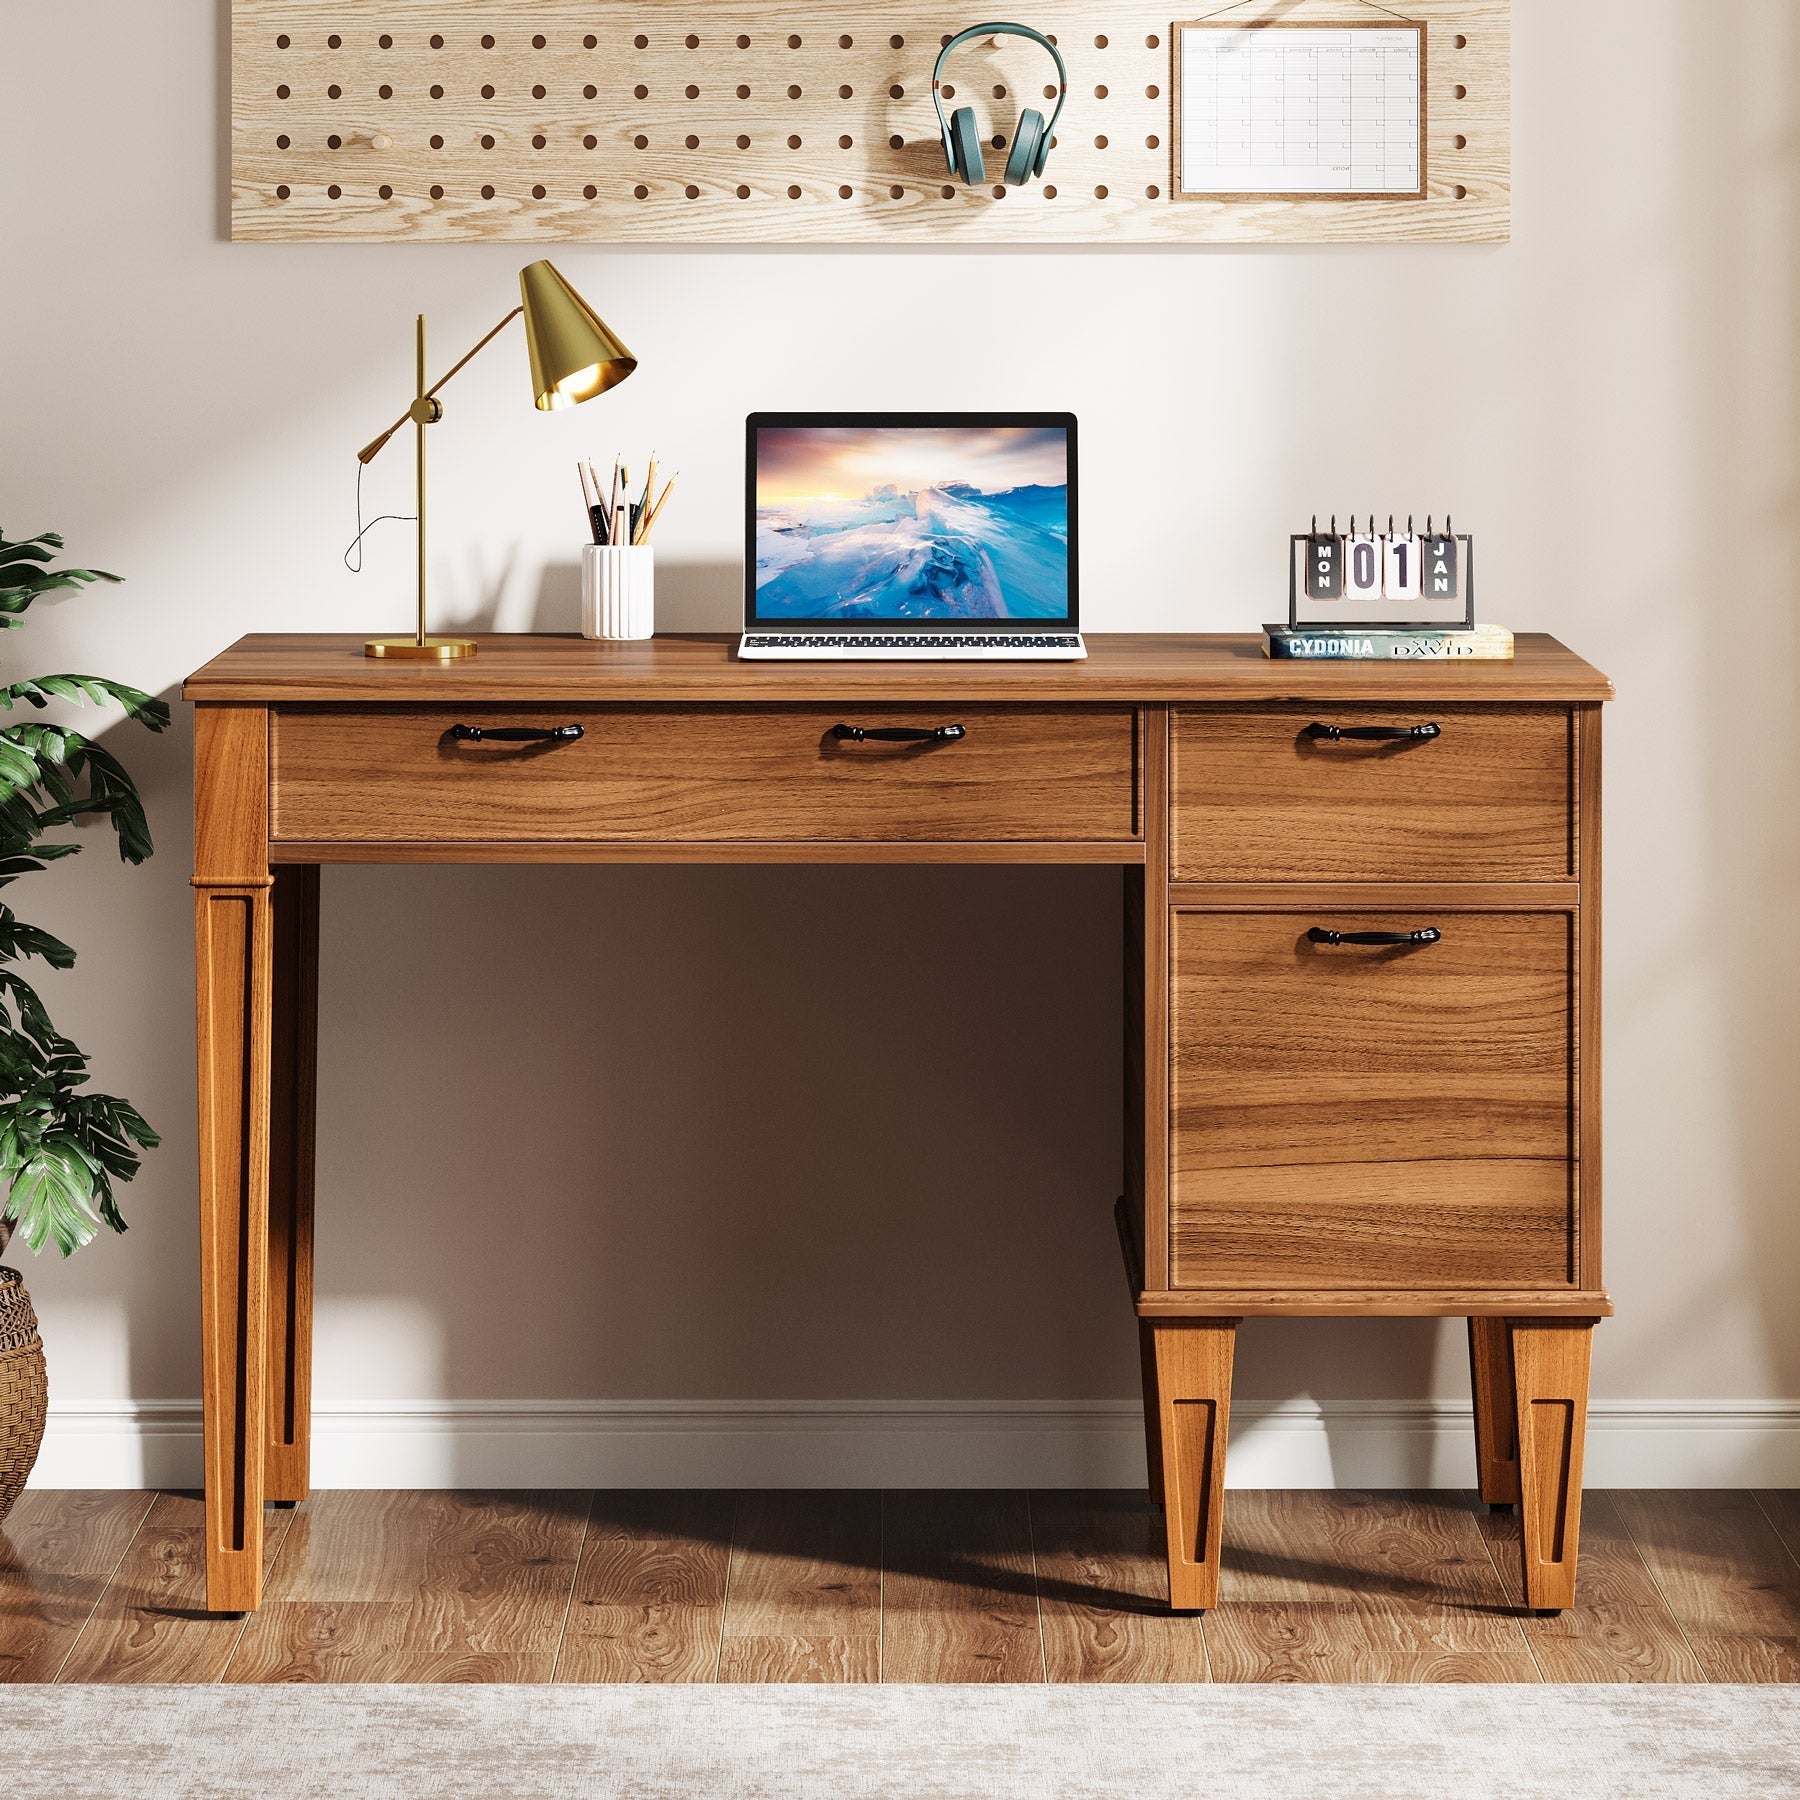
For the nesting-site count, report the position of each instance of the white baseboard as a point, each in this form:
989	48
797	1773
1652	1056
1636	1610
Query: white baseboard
909	1443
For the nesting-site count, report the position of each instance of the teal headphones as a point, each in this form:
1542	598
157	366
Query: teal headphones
1031	137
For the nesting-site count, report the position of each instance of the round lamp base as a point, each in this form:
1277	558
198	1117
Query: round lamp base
409	649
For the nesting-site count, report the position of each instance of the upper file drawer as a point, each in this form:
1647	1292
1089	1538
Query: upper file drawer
700	774
1257	796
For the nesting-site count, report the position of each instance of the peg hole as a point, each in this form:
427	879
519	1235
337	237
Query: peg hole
1049	193
281	93
896	142
793	143
999	93
1153	42
1100	93
590	42
794	93
642	43
896	42
743	143
639	92
948	193
845	143
1462	193
1100	42
437	193
845	42
794	43
537	43
1461	92
334	142
846	92
692	192
487	43
1049	93
1100	143
844	193
743	44
282	42
1152	92
999	193
437	93
437	43
334	42
281	143
949	91
590	192
1099	193
334	192
538	193
998	143
487	142
281	193
896	92
540	142
642	192
896	193
590	142
1152	192
540	93
334	92
693	93
487	92
944	41
794	193
1461	42
693	143
437	143
743	93
1461	142
384	92
1153	142
743	193
692	42
487	193
593	93
642	142
386	42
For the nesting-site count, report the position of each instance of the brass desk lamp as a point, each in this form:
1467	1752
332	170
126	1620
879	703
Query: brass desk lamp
574	356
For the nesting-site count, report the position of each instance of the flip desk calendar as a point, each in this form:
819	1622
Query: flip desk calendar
1278	109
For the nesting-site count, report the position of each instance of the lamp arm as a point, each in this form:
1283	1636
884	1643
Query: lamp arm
370	451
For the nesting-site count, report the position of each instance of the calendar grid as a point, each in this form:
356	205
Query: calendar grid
1290	111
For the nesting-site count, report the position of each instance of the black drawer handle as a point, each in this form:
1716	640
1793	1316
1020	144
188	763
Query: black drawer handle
516	734
900	734
1414	734
1319	935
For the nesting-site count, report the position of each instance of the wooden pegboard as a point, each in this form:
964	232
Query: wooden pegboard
772	121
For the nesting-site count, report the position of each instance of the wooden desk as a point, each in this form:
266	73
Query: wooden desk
1310	1127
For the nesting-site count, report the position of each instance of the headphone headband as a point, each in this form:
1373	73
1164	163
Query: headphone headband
999	30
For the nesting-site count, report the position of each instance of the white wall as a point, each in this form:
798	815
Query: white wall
679	1134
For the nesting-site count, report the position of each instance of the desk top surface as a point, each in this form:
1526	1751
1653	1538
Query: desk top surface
285	667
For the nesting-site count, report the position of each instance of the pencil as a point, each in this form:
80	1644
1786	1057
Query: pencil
649	524
643	507
600	502
587	502
612	510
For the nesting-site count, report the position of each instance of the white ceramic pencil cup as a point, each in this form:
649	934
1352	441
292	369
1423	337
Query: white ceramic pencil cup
618	591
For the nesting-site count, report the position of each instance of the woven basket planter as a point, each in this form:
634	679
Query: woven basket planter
24	1393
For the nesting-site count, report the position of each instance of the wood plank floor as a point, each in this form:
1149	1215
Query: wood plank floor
902	1586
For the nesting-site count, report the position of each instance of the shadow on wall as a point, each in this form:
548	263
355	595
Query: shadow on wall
689	597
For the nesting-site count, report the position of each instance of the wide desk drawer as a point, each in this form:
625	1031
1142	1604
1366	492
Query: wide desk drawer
1349	1114
1269	794
700	774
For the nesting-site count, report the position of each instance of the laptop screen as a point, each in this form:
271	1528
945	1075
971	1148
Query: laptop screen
955	520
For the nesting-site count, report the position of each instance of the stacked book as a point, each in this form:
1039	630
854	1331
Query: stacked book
1321	643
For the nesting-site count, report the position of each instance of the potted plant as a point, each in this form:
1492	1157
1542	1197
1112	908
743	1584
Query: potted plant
62	1146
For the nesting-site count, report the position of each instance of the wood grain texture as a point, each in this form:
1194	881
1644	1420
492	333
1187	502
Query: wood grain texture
1727	1576
58	1552
1373	1303
1354	1115
1102	1577
804	1601
1193	1392
1550	1359
775	122
650	1596
680	774
1152	1126
1254	799
1588	989
1120	851
233	962
958	1595
1349	1587
1119	669
1619	1628
152	1623
1496	1418
408	1586
293	1107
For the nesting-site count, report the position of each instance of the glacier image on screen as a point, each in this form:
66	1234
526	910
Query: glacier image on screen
862	523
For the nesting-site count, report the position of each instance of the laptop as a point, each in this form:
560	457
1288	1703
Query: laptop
911	537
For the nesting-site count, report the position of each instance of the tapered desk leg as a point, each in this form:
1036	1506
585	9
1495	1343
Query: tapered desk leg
1152	1410
233	962
293	1066
1193	1386
1496	1421
1550	1359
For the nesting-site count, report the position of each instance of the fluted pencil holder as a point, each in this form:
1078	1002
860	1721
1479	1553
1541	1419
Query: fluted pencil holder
618	591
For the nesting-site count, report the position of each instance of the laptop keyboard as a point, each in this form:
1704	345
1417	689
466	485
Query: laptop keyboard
914	640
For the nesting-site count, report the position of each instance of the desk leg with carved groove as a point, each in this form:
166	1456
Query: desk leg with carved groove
234	963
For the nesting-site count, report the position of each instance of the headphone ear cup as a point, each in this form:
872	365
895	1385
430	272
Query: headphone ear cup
1024	162
965	142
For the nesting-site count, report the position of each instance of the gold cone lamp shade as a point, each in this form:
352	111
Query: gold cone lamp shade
574	355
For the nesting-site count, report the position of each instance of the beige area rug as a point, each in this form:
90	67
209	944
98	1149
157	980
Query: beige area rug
896	1743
